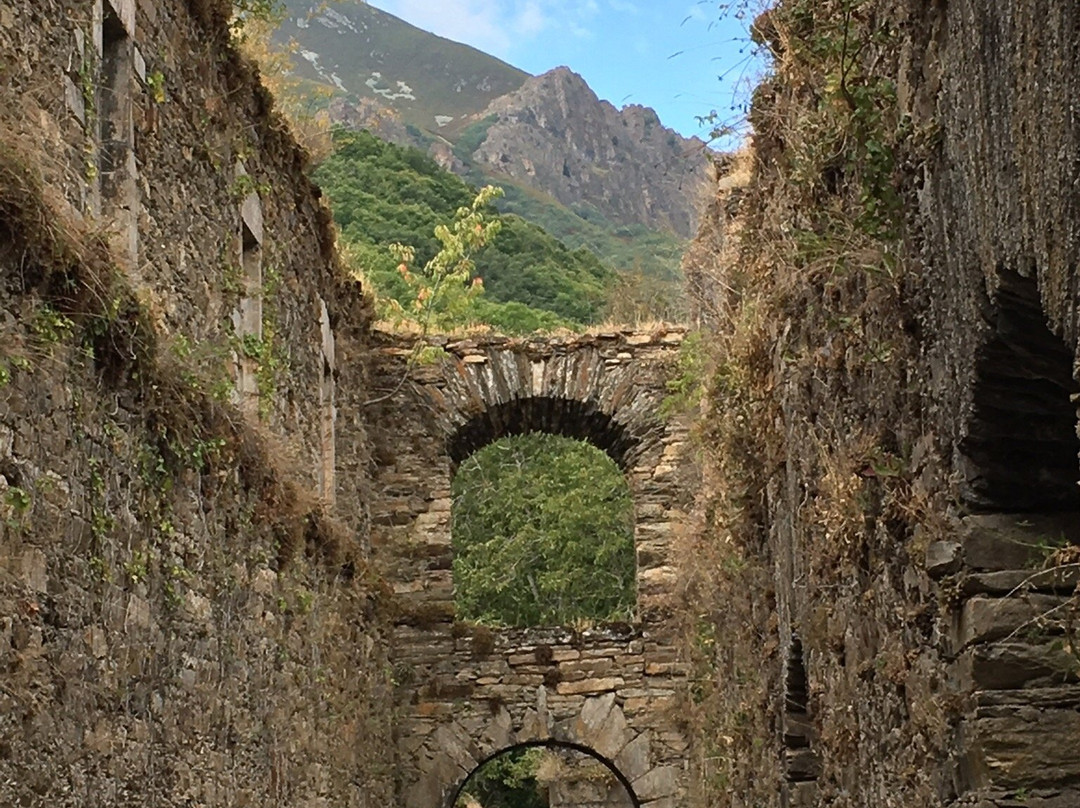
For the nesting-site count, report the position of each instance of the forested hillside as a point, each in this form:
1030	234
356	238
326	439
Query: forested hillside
382	194
614	181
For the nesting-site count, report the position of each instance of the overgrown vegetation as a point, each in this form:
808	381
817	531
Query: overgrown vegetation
532	777
506	781
543	534
628	249
84	300
383	194
804	373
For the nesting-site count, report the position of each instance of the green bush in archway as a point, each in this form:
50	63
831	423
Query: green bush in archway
543	534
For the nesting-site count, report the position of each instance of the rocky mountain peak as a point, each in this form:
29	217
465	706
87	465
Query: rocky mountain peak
556	134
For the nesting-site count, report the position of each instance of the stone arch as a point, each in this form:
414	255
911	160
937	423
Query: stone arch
466	692
593	723
580	420
549	744
609	398
607	389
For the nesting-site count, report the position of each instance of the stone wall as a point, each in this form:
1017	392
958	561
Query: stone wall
468	692
898	421
184	616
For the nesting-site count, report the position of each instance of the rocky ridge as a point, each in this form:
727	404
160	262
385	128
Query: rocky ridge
488	121
556	134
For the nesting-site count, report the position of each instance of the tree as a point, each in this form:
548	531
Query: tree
383	194
442	291
543	534
507	781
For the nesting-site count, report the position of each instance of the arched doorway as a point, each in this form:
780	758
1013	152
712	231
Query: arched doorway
543	534
563	774
466	690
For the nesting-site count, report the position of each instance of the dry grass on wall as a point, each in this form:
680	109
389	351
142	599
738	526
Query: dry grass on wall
69	268
811	422
225	627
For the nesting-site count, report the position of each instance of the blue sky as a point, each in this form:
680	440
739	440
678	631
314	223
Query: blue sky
664	54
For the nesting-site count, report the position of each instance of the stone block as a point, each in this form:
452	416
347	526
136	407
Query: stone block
148	8
564	654
986	619
499	731
137	614
611	736
454	743
667	669
264	581
251	210
589	667
139	63
73	97
595	711
634	758
124	12
196	607
588	686
943	558
662	781
1005	582
1010	665
1014	541
96	642
35	571
1024	746
532	728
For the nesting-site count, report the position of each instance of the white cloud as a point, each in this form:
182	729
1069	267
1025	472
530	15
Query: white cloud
496	26
624	7
579	31
530	20
698	13
481	23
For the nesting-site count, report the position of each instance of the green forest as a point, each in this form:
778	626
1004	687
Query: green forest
542	525
506	781
543	534
382	194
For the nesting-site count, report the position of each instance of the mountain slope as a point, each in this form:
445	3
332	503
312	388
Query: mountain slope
477	115
382	193
364	53
614	181
555	134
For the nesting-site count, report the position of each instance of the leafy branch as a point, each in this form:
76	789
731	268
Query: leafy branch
444	289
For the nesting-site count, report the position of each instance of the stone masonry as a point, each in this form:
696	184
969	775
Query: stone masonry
466	692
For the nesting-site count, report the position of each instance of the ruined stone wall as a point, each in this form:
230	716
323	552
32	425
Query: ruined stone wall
185	616
893	450
468	692
474	692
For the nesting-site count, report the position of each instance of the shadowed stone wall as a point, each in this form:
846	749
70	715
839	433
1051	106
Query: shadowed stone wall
164	638
467	692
